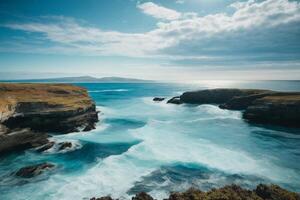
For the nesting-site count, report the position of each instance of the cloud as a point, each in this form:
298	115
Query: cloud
260	31
159	12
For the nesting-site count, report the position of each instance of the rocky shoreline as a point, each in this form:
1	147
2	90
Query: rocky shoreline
259	106
29	111
230	192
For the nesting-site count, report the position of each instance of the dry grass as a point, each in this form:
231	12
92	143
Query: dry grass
282	98
67	97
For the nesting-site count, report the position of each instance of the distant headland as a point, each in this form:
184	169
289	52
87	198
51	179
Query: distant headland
82	79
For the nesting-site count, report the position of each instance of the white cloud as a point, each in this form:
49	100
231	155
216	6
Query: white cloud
266	28
159	12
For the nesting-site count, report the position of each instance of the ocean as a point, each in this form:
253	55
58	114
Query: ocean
141	145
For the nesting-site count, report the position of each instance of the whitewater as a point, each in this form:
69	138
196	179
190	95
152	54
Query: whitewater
142	145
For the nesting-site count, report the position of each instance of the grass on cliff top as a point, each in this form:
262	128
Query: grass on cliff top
63	95
283	98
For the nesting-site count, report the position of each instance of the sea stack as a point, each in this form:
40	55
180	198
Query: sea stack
29	111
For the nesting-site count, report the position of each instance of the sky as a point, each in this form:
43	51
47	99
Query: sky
172	40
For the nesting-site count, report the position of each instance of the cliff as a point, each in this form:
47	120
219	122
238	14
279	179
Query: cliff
28	110
281	110
260	106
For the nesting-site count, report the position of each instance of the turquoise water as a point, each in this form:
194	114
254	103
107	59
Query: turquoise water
140	145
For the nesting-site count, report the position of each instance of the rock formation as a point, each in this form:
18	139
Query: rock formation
175	100
230	192
28	111
34	170
64	145
281	110
158	99
261	106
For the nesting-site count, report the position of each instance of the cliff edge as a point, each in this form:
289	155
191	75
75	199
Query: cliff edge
28	111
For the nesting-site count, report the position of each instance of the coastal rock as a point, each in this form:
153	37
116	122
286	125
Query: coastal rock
216	96
232	192
275	192
28	111
45	147
18	139
102	198
158	99
175	100
65	145
242	102
89	127
34	170
261	106
278	110
46	107
142	196
229	192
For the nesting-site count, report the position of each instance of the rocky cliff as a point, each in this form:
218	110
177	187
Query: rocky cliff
28	111
261	106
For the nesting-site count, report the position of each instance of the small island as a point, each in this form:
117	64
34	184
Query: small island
29	111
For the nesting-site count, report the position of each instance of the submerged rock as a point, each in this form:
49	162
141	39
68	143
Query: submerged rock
158	99
230	192
34	170
38	108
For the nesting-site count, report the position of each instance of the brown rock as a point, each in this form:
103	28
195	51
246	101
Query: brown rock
274	192
142	196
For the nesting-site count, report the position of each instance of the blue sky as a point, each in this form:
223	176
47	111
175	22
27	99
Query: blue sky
160	39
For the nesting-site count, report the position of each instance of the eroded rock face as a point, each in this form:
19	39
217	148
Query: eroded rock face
42	108
230	192
261	106
34	170
279	110
18	139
